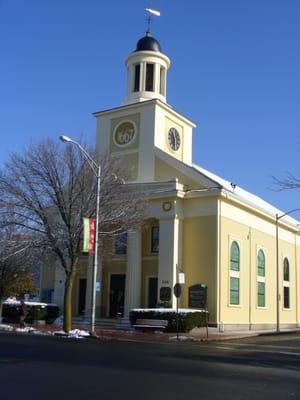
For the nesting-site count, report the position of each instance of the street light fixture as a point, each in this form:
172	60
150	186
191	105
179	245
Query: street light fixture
278	217
97	172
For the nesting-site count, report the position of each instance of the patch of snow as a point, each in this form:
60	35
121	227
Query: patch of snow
27	329
42	333
78	333
13	300
5	327
75	333
61	332
182	338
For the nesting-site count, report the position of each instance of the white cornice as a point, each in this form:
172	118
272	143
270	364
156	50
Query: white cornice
140	104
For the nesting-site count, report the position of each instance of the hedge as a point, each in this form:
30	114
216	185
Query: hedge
11	312
187	319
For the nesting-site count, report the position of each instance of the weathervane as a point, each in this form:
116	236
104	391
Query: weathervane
151	12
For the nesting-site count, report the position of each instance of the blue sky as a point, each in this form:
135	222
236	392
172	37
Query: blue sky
235	72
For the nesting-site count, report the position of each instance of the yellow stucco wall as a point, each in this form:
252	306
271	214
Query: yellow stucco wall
250	241
164	172
129	162
199	258
149	269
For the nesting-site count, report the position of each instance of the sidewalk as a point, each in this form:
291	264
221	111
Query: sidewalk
196	335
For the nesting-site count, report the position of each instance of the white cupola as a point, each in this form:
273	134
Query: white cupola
147	71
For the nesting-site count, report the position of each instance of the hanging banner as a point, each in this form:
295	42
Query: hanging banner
88	235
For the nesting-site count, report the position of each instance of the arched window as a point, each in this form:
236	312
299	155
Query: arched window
261	284
234	257
286	283
234	274
261	263
286	270
137	73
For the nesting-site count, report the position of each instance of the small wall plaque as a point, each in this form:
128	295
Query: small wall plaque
167	205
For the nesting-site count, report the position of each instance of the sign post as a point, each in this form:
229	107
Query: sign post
177	293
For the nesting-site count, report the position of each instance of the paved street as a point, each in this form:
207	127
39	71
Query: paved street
255	368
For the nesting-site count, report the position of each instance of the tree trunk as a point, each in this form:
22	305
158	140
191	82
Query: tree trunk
67	326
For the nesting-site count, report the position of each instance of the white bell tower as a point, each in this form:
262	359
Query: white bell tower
147	71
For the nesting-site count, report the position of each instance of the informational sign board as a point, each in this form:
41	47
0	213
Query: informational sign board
165	293
198	296
181	278
177	290
98	286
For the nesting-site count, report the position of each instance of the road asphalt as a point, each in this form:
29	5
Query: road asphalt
264	367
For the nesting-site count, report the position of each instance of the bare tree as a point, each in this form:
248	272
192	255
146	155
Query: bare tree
16	266
46	192
289	182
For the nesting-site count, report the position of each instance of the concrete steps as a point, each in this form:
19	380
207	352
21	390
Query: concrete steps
101	323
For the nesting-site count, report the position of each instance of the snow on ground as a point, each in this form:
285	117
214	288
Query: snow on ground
13	301
4	327
182	338
26	329
75	333
78	333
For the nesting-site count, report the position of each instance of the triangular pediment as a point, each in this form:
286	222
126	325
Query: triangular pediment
168	168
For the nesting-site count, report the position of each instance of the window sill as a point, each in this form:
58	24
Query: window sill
235	305
261	308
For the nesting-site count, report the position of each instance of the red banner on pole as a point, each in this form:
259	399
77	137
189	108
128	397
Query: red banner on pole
92	235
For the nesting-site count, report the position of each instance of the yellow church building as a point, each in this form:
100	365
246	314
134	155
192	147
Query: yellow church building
203	230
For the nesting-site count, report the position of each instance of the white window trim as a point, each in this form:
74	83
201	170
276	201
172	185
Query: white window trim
286	283
154	253
234	274
259	278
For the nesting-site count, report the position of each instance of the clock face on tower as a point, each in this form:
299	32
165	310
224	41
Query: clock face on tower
124	133
174	139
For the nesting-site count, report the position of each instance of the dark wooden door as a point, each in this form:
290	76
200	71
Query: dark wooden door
152	292
116	295
82	294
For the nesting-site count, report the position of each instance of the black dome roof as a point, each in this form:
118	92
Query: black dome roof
148	43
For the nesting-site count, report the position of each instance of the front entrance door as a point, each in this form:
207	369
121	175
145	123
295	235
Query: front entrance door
81	296
152	292
116	295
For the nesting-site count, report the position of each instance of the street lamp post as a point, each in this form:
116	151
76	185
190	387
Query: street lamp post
96	168
278	217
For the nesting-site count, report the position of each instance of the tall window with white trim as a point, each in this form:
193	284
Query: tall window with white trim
261	279
234	274
286	283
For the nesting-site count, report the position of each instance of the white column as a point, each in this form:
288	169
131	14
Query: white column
143	77
169	259
133	271
156	78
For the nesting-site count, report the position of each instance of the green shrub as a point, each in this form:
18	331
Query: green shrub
187	320
52	313
35	312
